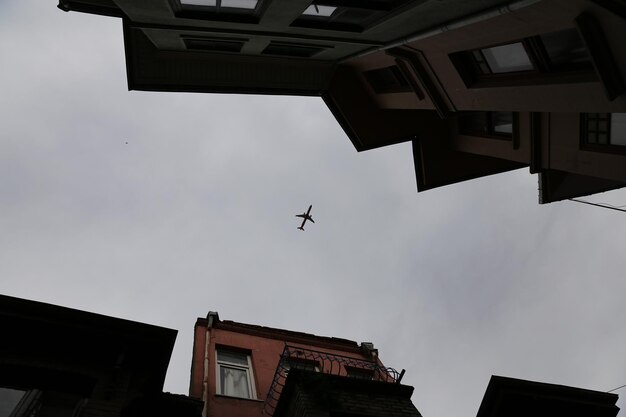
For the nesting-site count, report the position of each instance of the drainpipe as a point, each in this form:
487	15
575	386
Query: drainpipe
212	318
452	25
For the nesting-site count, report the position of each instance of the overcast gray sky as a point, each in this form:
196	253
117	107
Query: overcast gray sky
196	213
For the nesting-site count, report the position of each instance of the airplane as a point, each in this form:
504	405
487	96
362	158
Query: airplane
306	216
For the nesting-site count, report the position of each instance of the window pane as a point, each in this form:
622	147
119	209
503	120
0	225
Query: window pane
222	45
314	10
198	2
357	17
508	58
292	49
502	122
240	4
473	123
305	366
387	80
360	373
9	398
232	357
565	47
618	129
498	125
234	382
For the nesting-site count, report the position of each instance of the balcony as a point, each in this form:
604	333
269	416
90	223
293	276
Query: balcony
303	359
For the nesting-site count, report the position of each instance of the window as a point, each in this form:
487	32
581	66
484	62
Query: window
9	399
503	58
17	402
604	130
565	49
387	80
539	59
245	11
214	44
346	15
490	124
321	11
234	374
305	365
359	373
293	49
302	364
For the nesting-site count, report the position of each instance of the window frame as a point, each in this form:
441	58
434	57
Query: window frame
311	49
403	82
219	363
362	374
543	72
598	147
218	12
293	362
380	10
28	403
194	43
490	72
490	127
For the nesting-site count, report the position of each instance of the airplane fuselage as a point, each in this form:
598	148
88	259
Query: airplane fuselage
306	216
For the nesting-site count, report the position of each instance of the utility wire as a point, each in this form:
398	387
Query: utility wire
612	205
618	208
615	389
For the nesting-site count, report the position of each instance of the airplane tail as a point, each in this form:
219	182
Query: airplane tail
301	228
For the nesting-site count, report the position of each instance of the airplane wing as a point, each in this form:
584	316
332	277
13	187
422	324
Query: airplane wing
305	216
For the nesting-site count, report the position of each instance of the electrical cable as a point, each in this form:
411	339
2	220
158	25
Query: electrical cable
615	389
617	208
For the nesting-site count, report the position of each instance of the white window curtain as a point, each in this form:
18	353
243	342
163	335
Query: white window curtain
234	382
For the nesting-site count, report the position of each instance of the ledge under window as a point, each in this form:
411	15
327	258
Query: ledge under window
256	400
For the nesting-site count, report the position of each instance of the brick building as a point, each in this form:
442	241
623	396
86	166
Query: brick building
247	370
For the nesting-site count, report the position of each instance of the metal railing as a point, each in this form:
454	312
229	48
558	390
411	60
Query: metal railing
294	357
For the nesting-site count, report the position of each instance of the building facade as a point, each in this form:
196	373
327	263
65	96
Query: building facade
479	87
248	370
60	362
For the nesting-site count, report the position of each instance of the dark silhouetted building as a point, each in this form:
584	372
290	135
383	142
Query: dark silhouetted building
509	397
60	362
479	87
